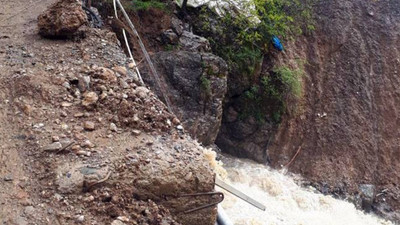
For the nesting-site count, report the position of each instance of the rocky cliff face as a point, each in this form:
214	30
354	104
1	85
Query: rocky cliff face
348	127
196	84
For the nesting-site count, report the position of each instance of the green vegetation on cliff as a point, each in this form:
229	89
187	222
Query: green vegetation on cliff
148	4
244	39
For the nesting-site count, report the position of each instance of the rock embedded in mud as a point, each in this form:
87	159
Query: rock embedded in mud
90	98
87	144
117	222
89	125
121	70
142	92
367	196
136	132
8	178
113	127
62	19
106	74
53	146
80	218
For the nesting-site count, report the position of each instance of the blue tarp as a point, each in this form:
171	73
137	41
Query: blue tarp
277	43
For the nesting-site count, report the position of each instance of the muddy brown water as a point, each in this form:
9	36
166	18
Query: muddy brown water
286	202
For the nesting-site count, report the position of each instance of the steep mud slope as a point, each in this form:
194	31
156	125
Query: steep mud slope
81	141
348	126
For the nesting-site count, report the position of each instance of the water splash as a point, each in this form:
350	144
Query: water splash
286	202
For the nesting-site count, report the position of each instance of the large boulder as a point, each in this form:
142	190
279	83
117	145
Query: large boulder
196	85
62	19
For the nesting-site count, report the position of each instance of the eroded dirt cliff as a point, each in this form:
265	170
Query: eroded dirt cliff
347	126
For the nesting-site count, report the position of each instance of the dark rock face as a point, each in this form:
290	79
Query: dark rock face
244	138
196	85
62	19
367	196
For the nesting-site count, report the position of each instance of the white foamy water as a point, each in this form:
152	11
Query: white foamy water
286	202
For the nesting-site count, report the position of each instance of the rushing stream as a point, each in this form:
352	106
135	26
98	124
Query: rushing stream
286	202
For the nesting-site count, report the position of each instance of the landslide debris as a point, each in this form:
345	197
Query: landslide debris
84	142
62	19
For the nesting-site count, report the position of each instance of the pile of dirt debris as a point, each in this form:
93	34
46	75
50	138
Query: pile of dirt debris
83	142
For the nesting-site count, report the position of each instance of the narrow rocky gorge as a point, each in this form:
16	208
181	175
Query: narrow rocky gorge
343	135
82	141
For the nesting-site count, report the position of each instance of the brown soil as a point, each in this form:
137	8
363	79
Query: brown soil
129	175
347	126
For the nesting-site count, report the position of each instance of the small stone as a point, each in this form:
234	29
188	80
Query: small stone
78	128
131	65
55	139
89	125
76	148
106	74
8	178
103	95
78	115
113	127
39	125
176	121
123	218
87	144
142	92
27	109
89	199
66	85
135	118
80	218
80	136
53	146
136	132
123	84
64	126
179	127
29	210
58	197
84	153
90	98
121	70
189	176
66	104
117	222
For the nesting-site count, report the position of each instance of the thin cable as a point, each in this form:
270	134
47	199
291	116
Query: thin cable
127	46
146	55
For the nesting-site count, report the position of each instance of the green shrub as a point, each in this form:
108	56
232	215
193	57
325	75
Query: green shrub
276	94
291	80
148	4
206	85
243	43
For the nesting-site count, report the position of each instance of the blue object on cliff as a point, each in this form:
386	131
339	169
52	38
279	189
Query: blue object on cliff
277	43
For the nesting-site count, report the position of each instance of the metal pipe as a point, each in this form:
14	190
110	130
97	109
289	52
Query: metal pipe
222	218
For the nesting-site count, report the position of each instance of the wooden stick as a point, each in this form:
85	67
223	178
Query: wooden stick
294	157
